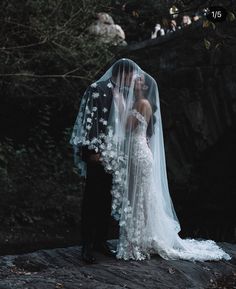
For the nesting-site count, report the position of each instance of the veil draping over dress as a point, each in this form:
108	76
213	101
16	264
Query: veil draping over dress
130	141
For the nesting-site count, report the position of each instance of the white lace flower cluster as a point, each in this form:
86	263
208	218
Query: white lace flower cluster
94	85
128	212
114	162
138	115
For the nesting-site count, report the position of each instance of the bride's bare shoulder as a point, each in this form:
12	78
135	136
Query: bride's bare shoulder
143	104
143	107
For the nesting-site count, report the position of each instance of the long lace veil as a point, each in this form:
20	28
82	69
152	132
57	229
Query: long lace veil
113	137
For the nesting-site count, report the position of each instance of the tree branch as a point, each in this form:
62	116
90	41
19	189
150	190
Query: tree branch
24	46
44	75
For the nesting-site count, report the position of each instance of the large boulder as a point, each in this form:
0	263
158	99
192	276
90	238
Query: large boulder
108	32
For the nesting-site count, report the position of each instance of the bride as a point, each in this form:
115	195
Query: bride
134	154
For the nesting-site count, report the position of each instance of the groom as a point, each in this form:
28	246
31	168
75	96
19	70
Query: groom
96	206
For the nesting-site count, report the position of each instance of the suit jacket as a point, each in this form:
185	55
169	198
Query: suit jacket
104	100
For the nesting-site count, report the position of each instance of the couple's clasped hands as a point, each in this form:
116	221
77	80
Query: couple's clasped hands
95	158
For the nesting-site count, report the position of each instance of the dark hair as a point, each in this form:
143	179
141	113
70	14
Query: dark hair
123	65
150	95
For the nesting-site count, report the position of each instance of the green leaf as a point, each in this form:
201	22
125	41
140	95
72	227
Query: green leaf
213	25
207	43
218	45
206	24
231	16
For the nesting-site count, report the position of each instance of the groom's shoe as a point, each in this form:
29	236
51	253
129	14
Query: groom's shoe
87	254
103	248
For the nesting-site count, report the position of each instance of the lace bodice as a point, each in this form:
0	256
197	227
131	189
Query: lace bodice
138	115
141	128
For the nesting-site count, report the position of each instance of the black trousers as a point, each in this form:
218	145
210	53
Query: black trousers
96	206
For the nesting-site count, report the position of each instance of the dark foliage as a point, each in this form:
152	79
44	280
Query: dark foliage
47	59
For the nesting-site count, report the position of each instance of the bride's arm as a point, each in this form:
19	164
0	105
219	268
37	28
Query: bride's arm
144	108
131	123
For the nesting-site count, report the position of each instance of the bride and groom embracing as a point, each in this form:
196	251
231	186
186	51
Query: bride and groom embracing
118	146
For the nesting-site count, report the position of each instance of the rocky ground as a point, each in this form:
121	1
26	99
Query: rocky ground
63	268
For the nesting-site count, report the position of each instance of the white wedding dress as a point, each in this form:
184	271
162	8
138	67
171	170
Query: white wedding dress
145	229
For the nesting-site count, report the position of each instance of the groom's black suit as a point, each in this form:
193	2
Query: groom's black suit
96	206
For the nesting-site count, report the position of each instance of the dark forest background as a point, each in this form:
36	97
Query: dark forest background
47	60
